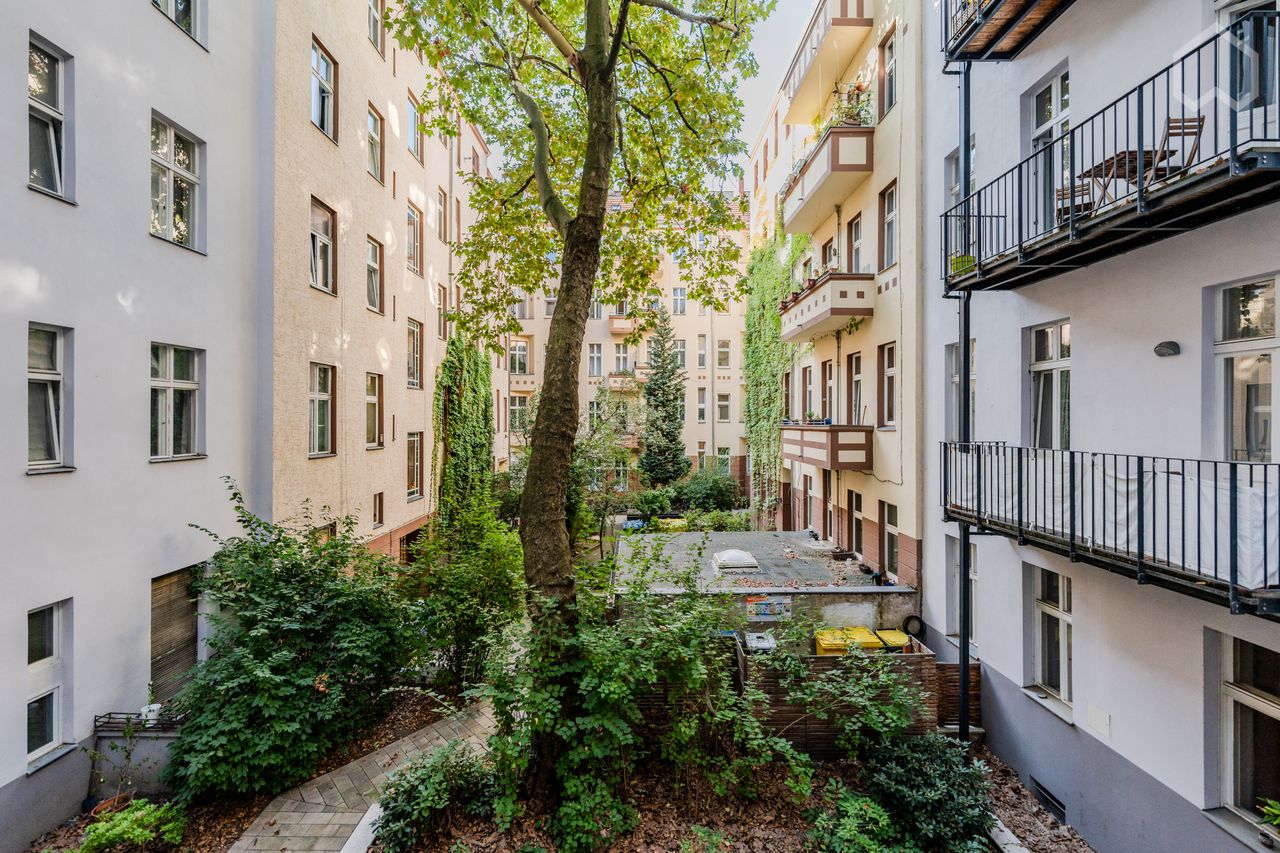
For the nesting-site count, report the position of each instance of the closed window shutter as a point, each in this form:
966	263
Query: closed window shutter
173	633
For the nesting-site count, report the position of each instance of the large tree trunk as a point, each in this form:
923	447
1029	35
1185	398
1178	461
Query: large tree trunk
548	553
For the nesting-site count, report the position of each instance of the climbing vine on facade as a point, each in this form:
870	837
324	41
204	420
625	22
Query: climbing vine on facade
767	358
462	458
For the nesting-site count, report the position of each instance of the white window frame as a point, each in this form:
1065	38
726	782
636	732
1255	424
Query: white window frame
379	508
702	406
597	310
678	347
889	226
373	139
702	454
953	588
702	351
1252	698
1226	351
724	459
1046	608
170	10
162	217
373	406
856	251
953	390
519	408
724	354
319	401
856	389
518	358
413	247
373	274
413	129
890	539
413	465
47	677
724	407
1055	370
167	384
890	88
323	244
621	358
54	381
595	413
375	24
52	116
414	369
324	90
889	386
679	300
858	542
595	359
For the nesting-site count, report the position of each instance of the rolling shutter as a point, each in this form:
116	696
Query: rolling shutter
173	633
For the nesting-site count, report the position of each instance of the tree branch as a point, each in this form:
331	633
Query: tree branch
691	17
547	198
552	32
618	30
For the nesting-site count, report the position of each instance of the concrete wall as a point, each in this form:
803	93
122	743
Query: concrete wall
94	537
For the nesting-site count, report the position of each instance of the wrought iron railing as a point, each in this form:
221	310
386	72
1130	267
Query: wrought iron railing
1210	108
1203	521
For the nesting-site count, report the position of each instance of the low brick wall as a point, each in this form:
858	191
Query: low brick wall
949	694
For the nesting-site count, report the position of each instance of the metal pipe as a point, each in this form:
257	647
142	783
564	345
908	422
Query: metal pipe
964	426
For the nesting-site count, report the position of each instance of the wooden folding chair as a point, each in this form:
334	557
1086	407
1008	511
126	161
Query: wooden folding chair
1081	195
1175	129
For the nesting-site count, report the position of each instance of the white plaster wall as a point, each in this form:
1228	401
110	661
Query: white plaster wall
99	534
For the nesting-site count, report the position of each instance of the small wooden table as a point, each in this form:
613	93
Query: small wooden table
1124	166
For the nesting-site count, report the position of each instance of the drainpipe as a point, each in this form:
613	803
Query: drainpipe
966	606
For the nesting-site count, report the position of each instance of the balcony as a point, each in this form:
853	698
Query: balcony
1202	528
830	447
629	440
623	382
622	325
1175	153
830	42
826	304
839	162
994	30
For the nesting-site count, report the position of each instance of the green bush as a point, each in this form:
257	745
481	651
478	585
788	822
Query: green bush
309	630
137	824
852	823
653	503
470	587
709	490
717	520
418	797
937	797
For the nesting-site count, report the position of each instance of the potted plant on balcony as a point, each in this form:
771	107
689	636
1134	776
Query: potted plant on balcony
811	418
962	264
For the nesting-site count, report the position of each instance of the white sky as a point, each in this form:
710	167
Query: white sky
774	43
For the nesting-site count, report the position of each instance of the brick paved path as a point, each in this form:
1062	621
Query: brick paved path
323	813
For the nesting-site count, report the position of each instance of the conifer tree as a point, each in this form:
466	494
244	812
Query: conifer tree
664	460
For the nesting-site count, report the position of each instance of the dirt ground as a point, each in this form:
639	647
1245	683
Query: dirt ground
1017	807
212	827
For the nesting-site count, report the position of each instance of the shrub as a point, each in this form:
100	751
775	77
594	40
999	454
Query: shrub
717	520
853	823
137	824
309	630
653	503
709	490
938	798
419	797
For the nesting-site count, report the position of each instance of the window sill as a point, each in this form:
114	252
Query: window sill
161	459
973	647
413	387
51	194
331	137
414	498
50	757
321	455
176	244
381	182
52	469
1242	830
191	36
1050	703
333	293
887	428
375	447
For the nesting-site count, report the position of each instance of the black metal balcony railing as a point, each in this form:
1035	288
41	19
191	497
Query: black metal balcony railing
1208	528
1153	155
998	30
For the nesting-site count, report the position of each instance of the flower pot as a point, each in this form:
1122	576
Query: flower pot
111	804
150	713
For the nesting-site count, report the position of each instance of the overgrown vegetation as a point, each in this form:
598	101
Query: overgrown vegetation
308	630
417	798
138	824
462	460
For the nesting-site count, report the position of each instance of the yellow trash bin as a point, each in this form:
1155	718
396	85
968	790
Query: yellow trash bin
864	638
831	641
894	641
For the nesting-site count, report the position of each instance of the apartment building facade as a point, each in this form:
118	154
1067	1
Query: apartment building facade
366	205
709	342
129	304
1114	250
834	166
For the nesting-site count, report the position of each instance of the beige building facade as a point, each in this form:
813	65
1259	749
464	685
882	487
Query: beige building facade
834	165
366	204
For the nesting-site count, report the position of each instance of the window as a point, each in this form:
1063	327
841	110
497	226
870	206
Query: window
518	357
722	408
1053	634
806	391
378	509
702	352
1051	386
1051	165
324	90
175	168
413	128
786	396
413	474
826	392
1251	689
174	639
1244	350
888	384
415	354
372	411
181	12
519	413
595	359
520	307
373	274
621	358
175	398
549	306
46	357
678	300
853	375
722	460
702	455
828	254
320	411
597	310
702	407
888	73
722	354
375	23
413	239
323	262
46	91
442	216
595	413
855	522
889	539
855	244
442	312
953	390
46	638
889	226
679	347
953	586
702	309
373	142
